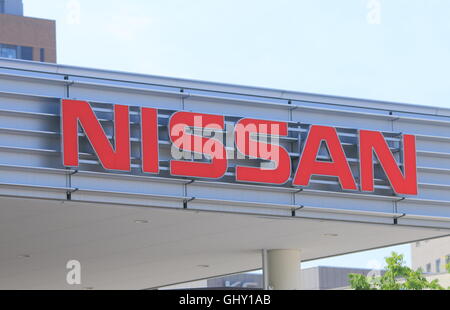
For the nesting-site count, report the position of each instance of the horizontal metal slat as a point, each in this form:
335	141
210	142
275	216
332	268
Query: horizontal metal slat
38	187
259	102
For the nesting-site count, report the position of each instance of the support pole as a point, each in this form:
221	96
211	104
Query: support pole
281	269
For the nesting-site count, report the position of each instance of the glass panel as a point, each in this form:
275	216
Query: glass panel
27	53
42	55
8	51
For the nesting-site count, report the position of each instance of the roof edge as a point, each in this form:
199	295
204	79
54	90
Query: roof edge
221	87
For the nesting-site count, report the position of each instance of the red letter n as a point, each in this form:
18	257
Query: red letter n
402	183
74	112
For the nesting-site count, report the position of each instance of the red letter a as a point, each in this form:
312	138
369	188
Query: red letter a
309	164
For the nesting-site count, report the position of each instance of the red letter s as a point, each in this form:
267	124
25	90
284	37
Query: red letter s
198	144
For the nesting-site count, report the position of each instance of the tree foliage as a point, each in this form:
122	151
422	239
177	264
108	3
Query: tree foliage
398	276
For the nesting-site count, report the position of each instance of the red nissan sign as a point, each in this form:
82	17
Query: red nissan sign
370	143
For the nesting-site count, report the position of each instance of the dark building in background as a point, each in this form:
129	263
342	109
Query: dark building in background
25	37
315	278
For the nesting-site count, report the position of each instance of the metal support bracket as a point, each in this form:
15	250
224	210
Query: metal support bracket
397	217
69	193
185	202
294	210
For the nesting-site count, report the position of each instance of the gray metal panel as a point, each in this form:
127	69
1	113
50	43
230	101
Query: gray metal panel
310	279
337	277
258	92
235	107
30	146
13	7
136	96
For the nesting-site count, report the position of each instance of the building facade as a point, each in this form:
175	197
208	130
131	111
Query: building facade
431	256
94	194
315	278
23	37
13	7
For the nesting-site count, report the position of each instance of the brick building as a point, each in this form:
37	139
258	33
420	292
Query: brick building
23	37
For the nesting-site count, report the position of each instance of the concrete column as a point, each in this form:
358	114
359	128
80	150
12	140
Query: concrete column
281	269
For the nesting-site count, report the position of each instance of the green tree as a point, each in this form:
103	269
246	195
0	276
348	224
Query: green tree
398	276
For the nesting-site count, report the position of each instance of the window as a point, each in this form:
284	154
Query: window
16	52
447	259
26	53
438	265
8	51
2	6
42	57
428	268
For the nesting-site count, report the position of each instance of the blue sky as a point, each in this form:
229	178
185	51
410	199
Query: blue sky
319	46
322	46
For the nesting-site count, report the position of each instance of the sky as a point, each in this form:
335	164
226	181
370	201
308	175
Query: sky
320	46
394	50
